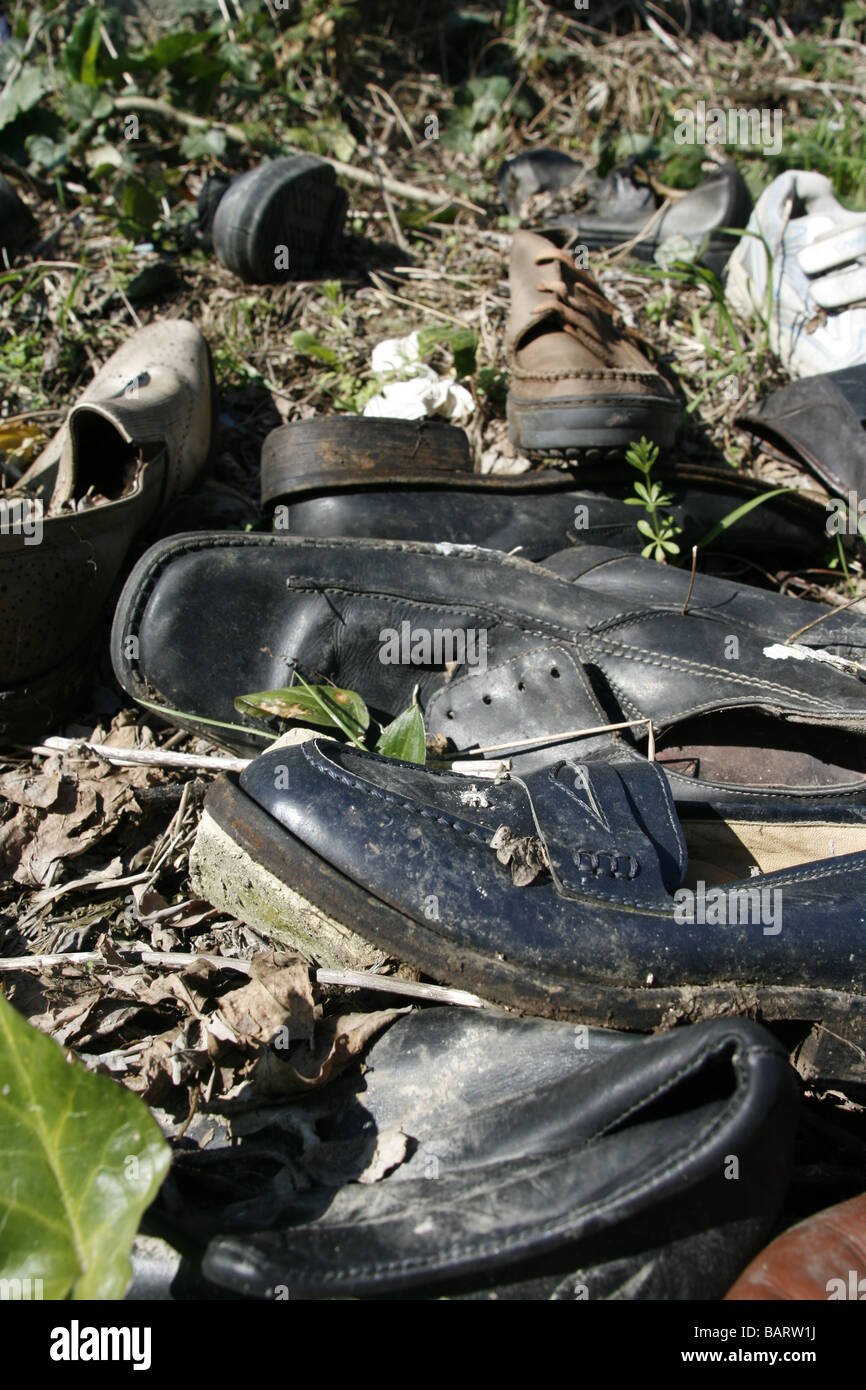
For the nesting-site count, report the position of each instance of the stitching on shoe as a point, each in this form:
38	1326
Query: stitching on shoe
761	794
156	566
441	818
503	617
567	791
557	1224
593	374
645	656
652	904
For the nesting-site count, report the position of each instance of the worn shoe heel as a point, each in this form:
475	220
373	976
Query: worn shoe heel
589	431
232	866
353	451
291	205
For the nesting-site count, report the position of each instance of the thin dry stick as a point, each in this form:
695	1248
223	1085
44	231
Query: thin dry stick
386	198
538	742
684	608
174	960
181	960
401	119
238	136
412	303
392	984
170	838
664	37
95	881
831	612
143	757
619	252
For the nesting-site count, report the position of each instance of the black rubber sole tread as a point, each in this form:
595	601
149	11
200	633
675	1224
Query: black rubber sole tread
292	203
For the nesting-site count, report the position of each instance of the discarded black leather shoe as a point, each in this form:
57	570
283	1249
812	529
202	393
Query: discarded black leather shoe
280	221
510	660
347	475
632	579
618	209
577	891
542	1162
819	421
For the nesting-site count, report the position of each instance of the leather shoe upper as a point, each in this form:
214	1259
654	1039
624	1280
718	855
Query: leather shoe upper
507	657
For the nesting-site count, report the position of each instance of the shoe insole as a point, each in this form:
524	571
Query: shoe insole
722	851
747	748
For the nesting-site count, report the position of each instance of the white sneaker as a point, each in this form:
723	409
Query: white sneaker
818	311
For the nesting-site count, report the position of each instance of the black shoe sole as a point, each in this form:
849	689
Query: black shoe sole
590	428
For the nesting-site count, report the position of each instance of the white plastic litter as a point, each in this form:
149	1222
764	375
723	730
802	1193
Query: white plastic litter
419	391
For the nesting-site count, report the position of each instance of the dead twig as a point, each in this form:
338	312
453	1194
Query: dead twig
238	136
685	606
142	757
182	960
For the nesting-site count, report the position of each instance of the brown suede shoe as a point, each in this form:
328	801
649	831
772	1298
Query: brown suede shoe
821	1258
580	385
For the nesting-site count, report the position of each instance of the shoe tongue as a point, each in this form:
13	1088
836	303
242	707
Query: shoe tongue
612	830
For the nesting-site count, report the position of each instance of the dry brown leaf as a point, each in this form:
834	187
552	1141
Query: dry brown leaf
46	790
338	1041
278	996
77	799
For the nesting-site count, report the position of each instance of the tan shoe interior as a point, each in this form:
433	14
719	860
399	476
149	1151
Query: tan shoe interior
725	851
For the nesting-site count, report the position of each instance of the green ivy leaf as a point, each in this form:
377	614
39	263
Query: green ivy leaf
45	153
85	103
85	31
80	1160
630	144
463	342
325	705
138	206
91	53
404	737
169	50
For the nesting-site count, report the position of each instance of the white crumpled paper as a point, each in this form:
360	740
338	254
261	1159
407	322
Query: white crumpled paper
420	391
